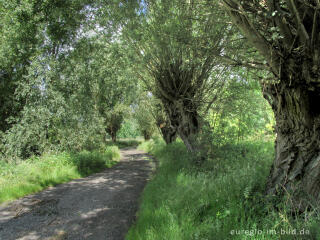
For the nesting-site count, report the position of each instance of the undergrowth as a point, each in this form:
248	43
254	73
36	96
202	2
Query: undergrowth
222	199
37	173
124	143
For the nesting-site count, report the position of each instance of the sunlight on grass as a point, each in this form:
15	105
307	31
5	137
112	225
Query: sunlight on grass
35	174
215	201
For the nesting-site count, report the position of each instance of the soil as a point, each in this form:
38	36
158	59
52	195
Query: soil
99	207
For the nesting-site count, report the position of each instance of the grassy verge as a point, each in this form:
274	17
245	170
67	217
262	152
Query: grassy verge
124	143
223	199
35	174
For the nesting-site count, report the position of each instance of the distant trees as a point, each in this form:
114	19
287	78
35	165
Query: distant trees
116	87
28	31
106	86
113	119
145	120
286	33
69	84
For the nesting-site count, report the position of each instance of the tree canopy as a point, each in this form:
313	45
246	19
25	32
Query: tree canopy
71	72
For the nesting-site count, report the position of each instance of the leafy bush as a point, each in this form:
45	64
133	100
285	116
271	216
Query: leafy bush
90	162
112	152
129	129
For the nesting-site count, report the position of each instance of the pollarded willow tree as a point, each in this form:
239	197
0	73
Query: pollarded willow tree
150	116
168	132
178	43
287	35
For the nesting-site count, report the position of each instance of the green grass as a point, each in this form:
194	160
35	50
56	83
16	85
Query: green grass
124	143
224	196
35	174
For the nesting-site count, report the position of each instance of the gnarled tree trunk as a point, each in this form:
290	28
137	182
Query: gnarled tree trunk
114	137
296	168
294	59
184	118
146	135
112	133
169	134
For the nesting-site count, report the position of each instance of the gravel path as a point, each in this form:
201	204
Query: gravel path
100	207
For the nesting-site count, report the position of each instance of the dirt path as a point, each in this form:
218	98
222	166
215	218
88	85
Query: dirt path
100	207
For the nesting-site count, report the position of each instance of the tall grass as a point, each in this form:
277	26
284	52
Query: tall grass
223	199
124	143
37	173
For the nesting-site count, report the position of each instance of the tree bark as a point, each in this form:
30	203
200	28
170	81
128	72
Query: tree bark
184	118
146	135
112	133
169	134
294	60
114	137
296	168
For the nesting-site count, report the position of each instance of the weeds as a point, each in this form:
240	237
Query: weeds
123	143
222	199
37	173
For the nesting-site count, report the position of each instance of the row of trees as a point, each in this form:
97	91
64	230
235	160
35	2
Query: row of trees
184	46
63	85
70	70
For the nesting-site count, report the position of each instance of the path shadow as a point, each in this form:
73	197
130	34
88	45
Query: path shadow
101	206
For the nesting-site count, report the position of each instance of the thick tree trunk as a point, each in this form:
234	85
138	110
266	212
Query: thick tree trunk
112	133
114	137
296	168
146	136
184	118
169	134
188	133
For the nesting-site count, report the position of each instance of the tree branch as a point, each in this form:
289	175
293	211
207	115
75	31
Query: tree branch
300	27
253	35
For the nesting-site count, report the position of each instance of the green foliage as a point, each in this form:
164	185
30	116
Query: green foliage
241	114
90	162
126	143
129	128
72	72
37	173
70	100
145	119
152	146
113	120
226	193
29	31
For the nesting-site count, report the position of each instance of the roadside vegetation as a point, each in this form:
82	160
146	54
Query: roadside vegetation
37	173
220	82
125	143
222	199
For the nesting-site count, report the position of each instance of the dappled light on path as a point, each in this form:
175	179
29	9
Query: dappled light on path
101	206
